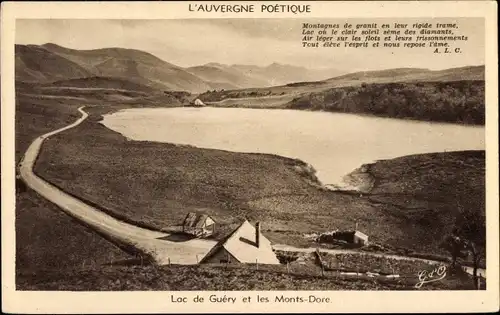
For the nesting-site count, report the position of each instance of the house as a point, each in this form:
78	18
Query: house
244	245
360	238
198	224
198	103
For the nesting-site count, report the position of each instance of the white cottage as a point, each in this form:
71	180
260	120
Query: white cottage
244	245
199	103
360	238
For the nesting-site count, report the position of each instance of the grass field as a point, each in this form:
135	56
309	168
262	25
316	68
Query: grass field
222	278
46	238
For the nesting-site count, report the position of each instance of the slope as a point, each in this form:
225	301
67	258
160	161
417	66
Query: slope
135	65
36	64
280	96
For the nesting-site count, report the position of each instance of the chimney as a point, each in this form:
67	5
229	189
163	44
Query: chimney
257	234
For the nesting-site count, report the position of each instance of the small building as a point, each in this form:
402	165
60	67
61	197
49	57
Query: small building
346	237
360	238
245	244
198	103
199	225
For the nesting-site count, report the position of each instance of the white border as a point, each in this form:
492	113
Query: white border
153	302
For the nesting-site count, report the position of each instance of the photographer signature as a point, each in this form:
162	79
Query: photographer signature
426	276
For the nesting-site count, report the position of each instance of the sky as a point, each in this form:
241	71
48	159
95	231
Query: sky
260	42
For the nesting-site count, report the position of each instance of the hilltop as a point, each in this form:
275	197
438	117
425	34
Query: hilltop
140	67
251	76
452	95
137	66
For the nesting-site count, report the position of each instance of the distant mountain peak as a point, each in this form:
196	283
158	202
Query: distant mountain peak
215	65
52	45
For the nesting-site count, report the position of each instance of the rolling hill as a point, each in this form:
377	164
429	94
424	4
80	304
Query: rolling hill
101	83
36	64
50	62
285	93
452	95
250	76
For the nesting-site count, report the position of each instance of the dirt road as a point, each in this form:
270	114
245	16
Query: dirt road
145	241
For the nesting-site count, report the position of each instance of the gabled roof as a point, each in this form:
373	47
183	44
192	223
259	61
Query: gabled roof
241	245
195	220
360	234
198	102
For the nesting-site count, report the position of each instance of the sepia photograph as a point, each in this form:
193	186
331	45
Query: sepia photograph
250	154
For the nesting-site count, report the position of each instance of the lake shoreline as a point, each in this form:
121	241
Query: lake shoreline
326	168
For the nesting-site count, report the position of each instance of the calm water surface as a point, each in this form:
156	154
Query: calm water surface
335	144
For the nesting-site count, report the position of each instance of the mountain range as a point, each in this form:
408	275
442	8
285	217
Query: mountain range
49	63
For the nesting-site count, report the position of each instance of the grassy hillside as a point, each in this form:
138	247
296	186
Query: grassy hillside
413	75
456	101
60	63
222	278
157	184
36	64
248	76
391	93
226	77
102	82
46	238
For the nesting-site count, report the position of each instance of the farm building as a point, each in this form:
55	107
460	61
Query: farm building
244	245
199	103
360	238
351	237
198	224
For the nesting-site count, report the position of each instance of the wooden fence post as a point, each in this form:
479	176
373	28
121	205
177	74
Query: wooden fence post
169	261
288	267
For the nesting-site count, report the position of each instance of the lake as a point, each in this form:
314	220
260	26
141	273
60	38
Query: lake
333	143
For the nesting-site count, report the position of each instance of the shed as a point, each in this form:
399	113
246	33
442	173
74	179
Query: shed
198	102
198	224
244	245
360	238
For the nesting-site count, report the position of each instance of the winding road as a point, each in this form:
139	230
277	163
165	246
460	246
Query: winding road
151	243
148	242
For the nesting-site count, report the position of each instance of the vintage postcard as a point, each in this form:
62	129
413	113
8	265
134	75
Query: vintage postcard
249	157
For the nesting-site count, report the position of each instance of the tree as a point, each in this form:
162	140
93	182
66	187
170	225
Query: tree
473	230
455	245
469	235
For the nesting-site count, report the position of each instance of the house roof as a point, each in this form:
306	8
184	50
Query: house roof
241	245
360	234
198	102
195	220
